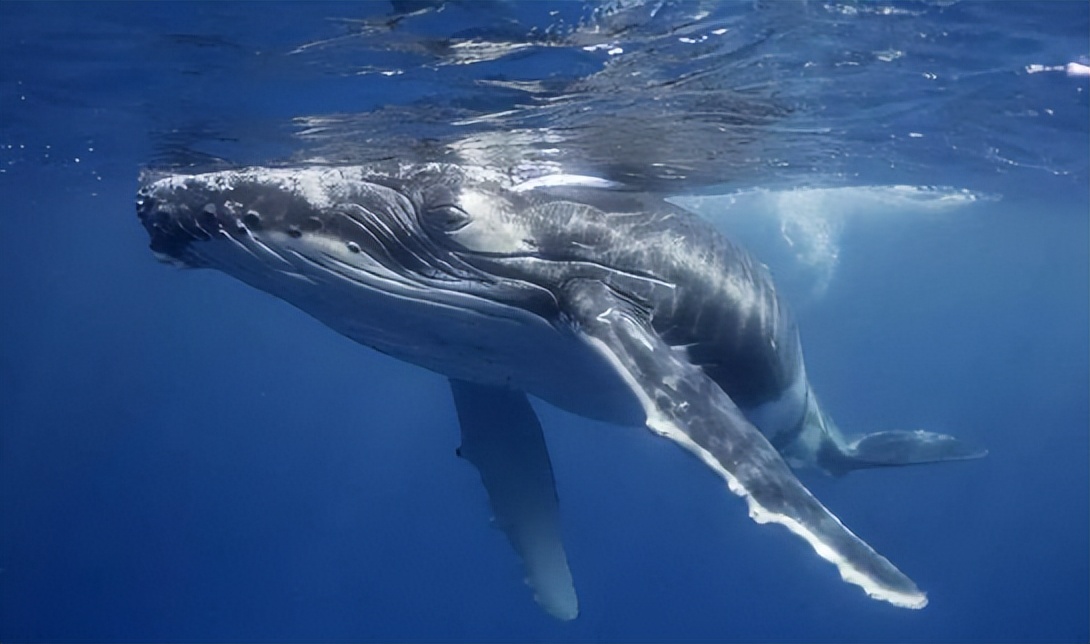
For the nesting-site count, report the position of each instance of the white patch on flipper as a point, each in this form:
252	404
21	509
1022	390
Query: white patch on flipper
663	426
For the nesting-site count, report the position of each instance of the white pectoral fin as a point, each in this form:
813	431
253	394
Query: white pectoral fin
502	438
685	405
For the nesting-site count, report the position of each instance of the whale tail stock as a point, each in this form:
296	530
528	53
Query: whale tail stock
894	448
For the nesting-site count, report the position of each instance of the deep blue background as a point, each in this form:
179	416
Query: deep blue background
184	458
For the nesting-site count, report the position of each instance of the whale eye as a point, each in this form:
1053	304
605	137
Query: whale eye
438	211
445	218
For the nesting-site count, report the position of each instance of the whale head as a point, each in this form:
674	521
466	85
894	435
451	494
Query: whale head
421	227
284	210
433	226
422	263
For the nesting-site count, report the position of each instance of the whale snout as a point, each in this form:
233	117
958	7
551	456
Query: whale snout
166	238
172	226
179	211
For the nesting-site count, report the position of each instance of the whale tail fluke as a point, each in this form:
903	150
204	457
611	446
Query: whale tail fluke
894	448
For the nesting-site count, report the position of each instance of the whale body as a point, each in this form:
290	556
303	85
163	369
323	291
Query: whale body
609	303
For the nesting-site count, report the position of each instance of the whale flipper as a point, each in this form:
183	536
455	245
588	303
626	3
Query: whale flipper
684	404
502	438
892	448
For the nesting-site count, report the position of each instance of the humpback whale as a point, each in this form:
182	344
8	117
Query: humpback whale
606	302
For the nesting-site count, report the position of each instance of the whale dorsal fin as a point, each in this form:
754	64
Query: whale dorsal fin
502	438
685	405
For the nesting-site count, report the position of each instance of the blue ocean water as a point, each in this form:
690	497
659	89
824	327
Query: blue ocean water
185	458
